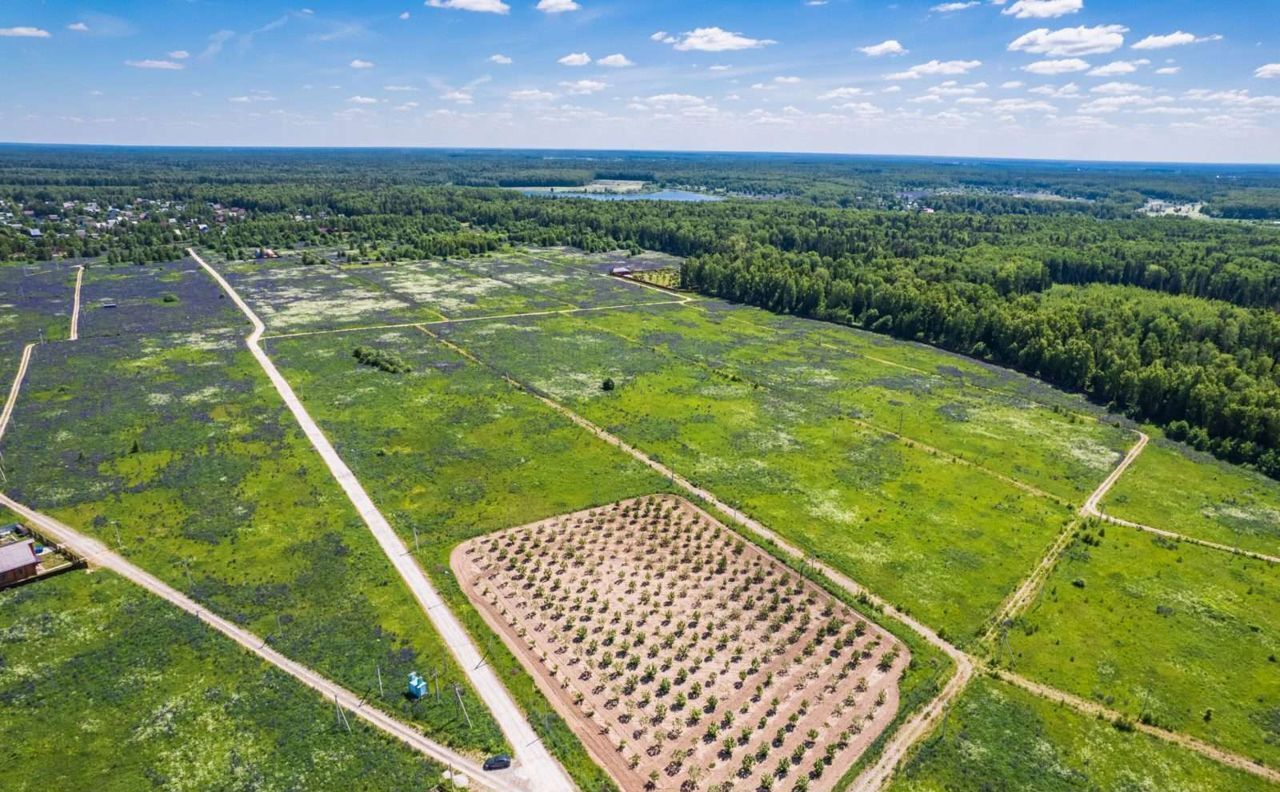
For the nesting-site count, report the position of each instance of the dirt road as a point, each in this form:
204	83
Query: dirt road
534	768
75	305
99	555
7	412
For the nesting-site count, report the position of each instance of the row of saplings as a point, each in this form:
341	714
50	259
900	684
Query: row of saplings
554	585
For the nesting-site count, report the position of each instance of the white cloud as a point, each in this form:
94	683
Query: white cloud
663	37
531	95
1024	106
217	41
1071	42
480	6
583	87
1268	72
78	27
406	107
179	55
1175	39
500	59
1043	9
1011	84
714	39
1116	68
861	108
557	6
842	93
676	99
575	59
947	8
1068	91
361	64
23	32
616	61
162	65
888	47
1168	70
405	15
1060	66
935	67
461	96
399	88
1118	89
362	100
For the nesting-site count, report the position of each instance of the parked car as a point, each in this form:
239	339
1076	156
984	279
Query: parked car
497	763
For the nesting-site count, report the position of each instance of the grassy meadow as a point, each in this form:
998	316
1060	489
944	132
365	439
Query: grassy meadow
998	737
177	450
35	304
1178	489
451	451
105	687
943	540
1182	636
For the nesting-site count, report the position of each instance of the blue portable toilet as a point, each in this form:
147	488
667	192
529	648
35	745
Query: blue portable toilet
417	685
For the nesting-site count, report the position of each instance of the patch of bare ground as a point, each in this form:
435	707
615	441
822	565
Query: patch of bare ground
683	656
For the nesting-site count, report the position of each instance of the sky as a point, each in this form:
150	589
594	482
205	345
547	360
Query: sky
1148	80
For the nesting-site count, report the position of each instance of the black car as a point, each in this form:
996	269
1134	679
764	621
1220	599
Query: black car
497	763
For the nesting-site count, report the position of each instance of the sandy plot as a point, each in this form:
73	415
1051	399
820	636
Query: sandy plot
684	657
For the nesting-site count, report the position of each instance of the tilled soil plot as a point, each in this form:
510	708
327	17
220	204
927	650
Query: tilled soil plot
683	656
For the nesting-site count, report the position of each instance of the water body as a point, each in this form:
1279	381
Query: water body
662	195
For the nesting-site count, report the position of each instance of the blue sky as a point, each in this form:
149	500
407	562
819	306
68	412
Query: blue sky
1085	79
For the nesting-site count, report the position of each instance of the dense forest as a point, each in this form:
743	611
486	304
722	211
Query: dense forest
1041	268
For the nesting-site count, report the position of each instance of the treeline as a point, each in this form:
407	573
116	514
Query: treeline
1207	370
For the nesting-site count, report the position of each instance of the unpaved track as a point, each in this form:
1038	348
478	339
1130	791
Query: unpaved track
75	305
536	769
99	555
1093	508
1094	708
7	412
1029	588
917	725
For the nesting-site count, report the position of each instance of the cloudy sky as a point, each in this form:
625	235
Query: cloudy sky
1176	80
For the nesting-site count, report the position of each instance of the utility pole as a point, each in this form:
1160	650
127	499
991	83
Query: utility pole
379	670
457	691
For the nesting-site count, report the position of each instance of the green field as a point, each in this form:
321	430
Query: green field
454	452
178	449
104	687
943	540
35	304
937	399
998	737
1177	489
1182	636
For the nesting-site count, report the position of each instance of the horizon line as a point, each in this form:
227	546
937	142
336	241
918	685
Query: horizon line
706	152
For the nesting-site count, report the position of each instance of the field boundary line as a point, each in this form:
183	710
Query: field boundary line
544	771
918	725
1027	591
12	400
100	555
74	335
1177	738
1093	507
467	319
1240	551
